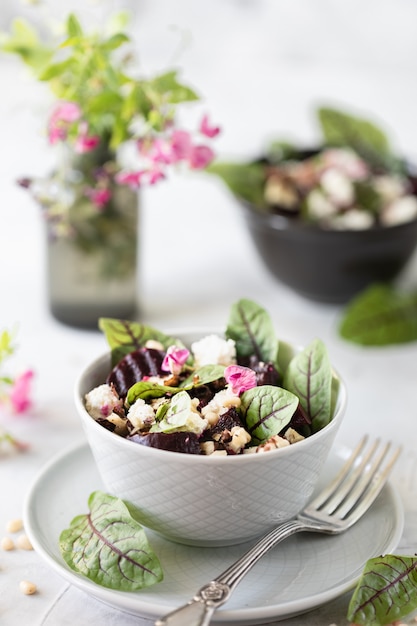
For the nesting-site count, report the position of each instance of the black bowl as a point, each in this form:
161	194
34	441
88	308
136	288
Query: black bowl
329	265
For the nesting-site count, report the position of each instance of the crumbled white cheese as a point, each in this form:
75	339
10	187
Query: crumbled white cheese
207	447
292	435
273	443
239	438
389	187
213	350
337	187
347	161
153	344
354	219
221	402
400	211
319	206
119	423
102	401
279	192
141	415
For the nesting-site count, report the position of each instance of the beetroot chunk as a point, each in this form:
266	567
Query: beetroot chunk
174	442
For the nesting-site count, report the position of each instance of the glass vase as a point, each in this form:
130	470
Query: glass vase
92	248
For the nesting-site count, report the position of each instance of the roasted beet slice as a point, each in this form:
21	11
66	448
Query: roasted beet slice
174	442
133	367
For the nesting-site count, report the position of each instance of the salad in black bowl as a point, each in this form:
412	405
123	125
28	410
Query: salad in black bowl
330	220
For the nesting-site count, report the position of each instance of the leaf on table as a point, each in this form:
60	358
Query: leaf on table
380	316
309	376
109	546
386	591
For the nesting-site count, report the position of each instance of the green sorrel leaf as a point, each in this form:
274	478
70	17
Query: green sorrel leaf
147	390
252	329
363	136
124	336
266	410
109	546
380	316
245	180
309	376
203	375
386	591
179	416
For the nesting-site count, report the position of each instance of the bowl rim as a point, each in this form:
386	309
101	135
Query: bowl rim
339	412
279	222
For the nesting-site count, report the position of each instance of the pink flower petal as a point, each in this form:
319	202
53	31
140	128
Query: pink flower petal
240	378
174	359
66	112
86	143
181	145
132	179
155	175
99	197
20	392
200	157
207	129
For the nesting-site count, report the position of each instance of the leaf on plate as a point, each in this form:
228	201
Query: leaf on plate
124	336
250	326
108	545
386	591
380	316
266	410
309	376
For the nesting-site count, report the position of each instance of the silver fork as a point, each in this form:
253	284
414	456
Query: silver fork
341	503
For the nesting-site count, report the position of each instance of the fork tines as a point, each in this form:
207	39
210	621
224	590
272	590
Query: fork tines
359	481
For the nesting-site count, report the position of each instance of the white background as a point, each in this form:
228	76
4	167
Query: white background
261	67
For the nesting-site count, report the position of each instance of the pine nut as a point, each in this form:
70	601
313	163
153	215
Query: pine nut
7	544
27	587
23	543
14	525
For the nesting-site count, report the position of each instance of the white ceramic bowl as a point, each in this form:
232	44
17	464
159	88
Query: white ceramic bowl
203	500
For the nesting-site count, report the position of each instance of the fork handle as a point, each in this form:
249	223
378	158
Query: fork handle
199	610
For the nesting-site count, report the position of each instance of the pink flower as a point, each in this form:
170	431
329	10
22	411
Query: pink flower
85	142
181	145
155	175
64	114
132	179
174	359
20	392
98	196
240	378
160	152
200	157
208	130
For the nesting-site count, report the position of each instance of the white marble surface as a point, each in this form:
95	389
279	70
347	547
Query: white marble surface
261	66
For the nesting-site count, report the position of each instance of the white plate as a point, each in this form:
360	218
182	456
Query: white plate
302	573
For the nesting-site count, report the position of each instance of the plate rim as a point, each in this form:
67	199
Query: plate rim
151	610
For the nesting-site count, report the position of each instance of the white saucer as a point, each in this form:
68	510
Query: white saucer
302	573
